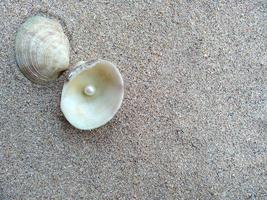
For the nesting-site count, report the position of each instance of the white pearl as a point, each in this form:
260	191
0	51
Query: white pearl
89	90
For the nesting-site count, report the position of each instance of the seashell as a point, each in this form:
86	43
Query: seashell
42	49
92	95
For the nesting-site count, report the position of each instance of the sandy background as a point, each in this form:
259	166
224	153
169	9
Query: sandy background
193	121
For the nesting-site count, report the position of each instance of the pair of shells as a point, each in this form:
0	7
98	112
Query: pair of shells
93	92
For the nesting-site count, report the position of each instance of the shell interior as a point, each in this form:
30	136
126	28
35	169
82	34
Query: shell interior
89	111
42	49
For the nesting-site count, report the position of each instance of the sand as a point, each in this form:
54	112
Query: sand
193	121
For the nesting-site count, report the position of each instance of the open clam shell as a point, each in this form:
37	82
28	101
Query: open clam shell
42	49
92	95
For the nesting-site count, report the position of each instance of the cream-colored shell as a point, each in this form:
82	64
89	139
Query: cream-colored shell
42	49
92	95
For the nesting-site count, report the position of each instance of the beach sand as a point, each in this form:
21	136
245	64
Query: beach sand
193	120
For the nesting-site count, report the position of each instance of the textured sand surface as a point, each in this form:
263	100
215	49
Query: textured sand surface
193	121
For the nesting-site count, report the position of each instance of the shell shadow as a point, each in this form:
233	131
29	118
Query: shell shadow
70	133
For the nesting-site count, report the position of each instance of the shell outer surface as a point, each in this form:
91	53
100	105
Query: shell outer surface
42	49
89	112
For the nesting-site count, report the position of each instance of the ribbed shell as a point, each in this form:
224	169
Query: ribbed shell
42	49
